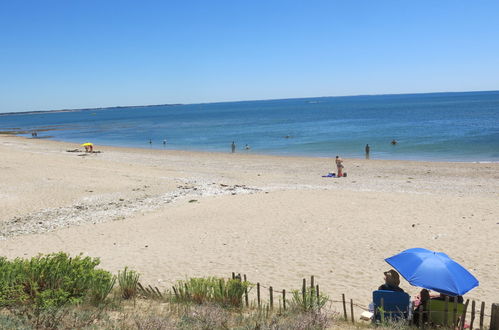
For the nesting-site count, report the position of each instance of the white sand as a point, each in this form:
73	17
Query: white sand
273	218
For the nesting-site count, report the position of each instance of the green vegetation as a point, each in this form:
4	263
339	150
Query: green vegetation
40	291
226	293
128	281
52	281
57	291
308	300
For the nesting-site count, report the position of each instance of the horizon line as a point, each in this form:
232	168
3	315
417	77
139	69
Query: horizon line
238	101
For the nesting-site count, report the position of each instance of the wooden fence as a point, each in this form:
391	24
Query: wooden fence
475	315
278	299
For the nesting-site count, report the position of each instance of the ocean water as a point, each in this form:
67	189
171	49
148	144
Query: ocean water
437	126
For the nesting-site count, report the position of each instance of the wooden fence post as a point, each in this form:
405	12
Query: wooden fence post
246	292
312	288
463	315
284	299
344	307
271	294
494	317
317	293
351	310
446	311
472	320
454	312
304	293
482	311
258	293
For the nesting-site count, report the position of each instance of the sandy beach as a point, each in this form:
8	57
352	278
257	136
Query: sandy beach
173	214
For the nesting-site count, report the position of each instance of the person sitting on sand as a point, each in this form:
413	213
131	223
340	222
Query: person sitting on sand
339	166
392	281
422	300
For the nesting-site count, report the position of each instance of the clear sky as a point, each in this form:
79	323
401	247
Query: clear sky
57	54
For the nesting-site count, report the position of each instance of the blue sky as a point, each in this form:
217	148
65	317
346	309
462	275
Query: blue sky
91	53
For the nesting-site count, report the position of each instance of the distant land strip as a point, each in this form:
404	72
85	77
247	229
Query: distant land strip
87	109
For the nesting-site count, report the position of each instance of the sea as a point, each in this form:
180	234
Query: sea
459	127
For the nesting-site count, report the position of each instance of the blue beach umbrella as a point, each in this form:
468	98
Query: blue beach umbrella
434	271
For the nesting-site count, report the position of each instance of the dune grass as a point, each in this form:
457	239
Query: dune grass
226	293
128	283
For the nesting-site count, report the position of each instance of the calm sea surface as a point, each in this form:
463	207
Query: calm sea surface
441	126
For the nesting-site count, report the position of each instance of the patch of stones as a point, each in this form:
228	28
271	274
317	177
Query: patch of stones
95	211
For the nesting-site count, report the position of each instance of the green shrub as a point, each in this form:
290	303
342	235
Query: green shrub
52	281
128	281
308	301
226	293
102	284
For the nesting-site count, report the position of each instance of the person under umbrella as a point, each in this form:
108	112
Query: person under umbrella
433	271
392	281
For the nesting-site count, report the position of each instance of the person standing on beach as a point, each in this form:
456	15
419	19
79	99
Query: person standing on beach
339	166
368	149
233	147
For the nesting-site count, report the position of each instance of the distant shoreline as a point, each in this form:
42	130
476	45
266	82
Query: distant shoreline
237	101
85	109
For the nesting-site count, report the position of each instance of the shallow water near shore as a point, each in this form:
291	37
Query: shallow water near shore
439	126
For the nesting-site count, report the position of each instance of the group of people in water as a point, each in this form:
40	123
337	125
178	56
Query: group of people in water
233	147
368	148
164	142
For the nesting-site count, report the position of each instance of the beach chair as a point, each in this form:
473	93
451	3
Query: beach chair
390	305
437	312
